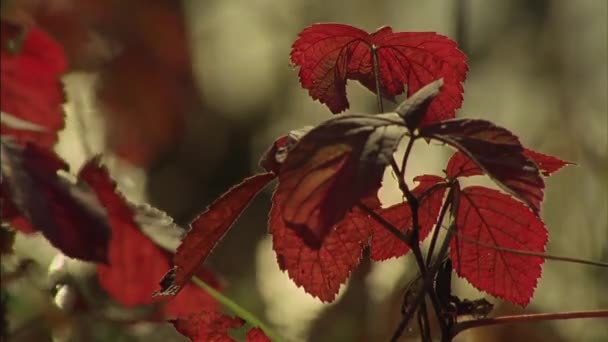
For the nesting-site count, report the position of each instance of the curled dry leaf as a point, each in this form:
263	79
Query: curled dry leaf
330	54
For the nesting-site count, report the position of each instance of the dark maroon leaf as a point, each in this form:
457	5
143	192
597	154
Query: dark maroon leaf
497	151
69	215
332	168
547	164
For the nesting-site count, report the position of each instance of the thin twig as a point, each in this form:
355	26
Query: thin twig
387	225
462	326
377	78
444	210
530	253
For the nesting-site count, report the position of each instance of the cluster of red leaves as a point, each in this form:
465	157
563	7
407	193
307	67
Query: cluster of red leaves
88	218
329	54
326	177
318	230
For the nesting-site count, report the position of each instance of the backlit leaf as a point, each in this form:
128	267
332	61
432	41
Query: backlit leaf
330	54
320	271
332	168
135	263
207	229
546	163
491	218
497	151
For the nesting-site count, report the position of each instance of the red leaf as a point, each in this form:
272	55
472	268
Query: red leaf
332	168
319	271
69	215
460	165
207	326
208	229
30	88
385	245
329	54
497	151
135	263
257	335
546	163
492	218
192	299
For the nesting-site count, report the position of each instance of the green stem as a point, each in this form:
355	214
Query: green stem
237	309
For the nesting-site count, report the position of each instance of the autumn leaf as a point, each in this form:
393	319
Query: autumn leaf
330	54
135	263
207	326
192	299
487	218
385	245
332	168
68	214
207	229
320	271
496	151
461	166
256	335
546	163
30	86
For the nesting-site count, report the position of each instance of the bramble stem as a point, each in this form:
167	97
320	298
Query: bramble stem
387	225
377	78
462	326
438	225
237	309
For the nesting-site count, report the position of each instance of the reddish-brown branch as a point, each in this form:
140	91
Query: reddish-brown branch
462	326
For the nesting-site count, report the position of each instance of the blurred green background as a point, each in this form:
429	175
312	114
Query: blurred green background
539	68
